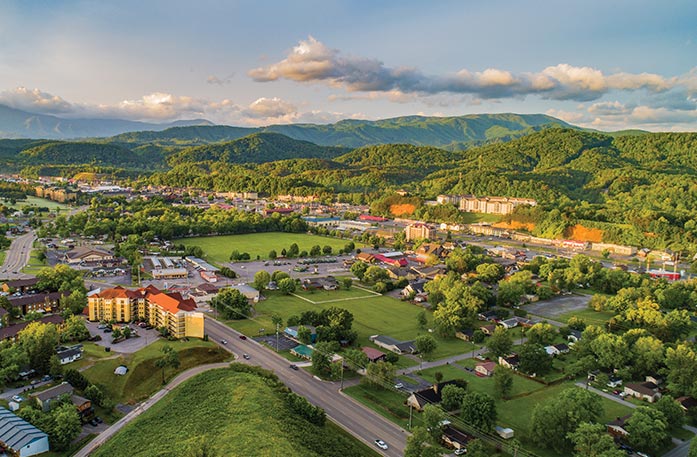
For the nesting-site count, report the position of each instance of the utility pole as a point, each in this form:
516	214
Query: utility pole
342	375
276	337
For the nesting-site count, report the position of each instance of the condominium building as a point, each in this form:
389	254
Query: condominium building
159	309
419	232
487	205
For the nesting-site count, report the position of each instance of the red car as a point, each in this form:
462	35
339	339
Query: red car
242	337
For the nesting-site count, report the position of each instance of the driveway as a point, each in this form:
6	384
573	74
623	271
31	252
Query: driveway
133	344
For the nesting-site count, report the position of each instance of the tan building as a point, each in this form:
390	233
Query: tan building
419	232
493	205
157	308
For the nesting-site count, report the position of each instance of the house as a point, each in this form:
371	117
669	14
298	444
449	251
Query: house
430	273
488	315
414	287
488	329
10	332
574	336
510	361
302	351
614	381
326	283
20	285
46	397
365	257
399	273
618	427
455	438
69	354
686	403
391	344
524	322
485	368
551	351
654	379
19	438
83	405
373	354
509	323
419	232
248	291
431	395
293	332
466	334
43	302
562	348
87	255
646	391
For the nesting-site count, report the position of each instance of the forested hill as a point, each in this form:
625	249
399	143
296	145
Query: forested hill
256	148
458	132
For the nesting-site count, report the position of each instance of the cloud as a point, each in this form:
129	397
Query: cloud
615	115
312	61
164	107
213	79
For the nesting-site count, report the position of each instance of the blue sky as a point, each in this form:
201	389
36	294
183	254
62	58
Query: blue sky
609	65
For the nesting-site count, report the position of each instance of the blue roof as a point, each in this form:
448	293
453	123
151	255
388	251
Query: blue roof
15	432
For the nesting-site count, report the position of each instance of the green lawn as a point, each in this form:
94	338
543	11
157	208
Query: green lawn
35	265
473	218
388	403
39	202
228	413
2	257
373	315
143	377
590	316
218	248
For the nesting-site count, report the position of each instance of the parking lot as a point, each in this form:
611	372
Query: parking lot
559	305
284	343
132	344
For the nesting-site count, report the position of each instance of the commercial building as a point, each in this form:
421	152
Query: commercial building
18	437
419	232
493	205
159	309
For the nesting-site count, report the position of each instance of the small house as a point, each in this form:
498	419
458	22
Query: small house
488	329
618	427
466	334
46	397
645	391
485	368
292	332
455	438
574	336
373	354
431	395
70	354
512	361
509	323
562	348
391	344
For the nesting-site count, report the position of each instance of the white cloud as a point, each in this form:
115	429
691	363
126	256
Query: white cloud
312	61
35	100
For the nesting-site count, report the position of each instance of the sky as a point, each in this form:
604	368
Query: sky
610	65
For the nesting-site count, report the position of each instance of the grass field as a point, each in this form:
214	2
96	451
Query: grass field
35	265
590	316
473	218
228	413
372	316
2	257
218	248
143	378
38	202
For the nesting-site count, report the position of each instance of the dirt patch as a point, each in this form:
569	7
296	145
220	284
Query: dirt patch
580	233
404	209
515	225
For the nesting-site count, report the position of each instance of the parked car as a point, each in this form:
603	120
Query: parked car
17	398
246	356
399	385
98	419
461	451
294	366
381	444
93	423
46	377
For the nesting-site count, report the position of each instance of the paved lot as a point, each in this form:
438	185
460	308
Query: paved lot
559	305
133	344
284	343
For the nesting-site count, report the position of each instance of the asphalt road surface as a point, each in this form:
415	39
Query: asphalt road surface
17	257
361	422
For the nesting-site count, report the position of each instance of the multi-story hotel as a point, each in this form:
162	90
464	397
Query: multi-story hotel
150	304
487	205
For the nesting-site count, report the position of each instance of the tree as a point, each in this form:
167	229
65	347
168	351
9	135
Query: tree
673	412
278	275
379	374
286	286
503	381
355	359
74	303
553	420
66	426
433	417
422	320
359	269
451	397
326	250
490	272
39	341
541	333
346	283
693	443
479	410
293	251
95	395
277	320
169	358
509	292
500	342
682	368
534	359
273	254
60	278
438	376
304	335
425	345
76	379
261	280
418	444
592	440
321	357
611	350
374	274
648	429
74	329
648	355
231	304
12	358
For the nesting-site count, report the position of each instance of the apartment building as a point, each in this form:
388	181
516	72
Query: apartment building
159	309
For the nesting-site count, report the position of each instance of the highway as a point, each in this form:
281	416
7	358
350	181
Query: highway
17	257
358	420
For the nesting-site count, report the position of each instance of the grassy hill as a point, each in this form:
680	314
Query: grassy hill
228	413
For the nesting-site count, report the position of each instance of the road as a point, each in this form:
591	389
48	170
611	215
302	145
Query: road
141	408
17	257
358	420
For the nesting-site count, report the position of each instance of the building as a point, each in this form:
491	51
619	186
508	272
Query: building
492	205
46	397
20	285
614	248
326	283
647	391
348	225
248	291
431	395
419	232
510	361
87	255
455	438
328	222
19	438
43	302
618	427
373	354
302	351
293	332
170	273
155	307
10	332
485	368
68	355
391	344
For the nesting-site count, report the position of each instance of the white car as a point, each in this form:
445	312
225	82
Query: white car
399	385
461	451
17	398
381	444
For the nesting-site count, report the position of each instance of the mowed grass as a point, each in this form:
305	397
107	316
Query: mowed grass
227	413
590	316
35	265
38	202
143	377
373	315
218	248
